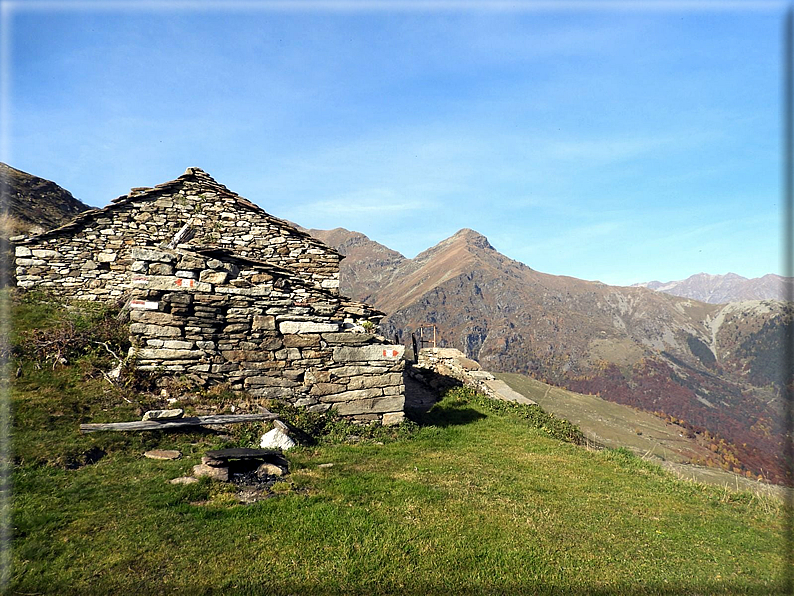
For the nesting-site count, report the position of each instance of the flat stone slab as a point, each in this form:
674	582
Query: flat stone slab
504	392
164	414
480	375
241	453
163	454
184	480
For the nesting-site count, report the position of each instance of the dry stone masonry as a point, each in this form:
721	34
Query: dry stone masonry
255	304
90	257
452	363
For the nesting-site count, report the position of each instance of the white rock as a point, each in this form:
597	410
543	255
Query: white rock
276	439
293	327
163	414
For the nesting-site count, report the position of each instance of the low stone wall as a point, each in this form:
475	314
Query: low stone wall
223	319
452	364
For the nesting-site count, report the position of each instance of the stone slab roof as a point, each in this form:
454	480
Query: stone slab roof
139	194
347	305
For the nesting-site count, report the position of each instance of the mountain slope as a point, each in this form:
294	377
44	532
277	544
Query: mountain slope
707	366
367	266
721	289
34	204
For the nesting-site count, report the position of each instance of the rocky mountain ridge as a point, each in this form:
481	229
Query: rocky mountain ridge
721	289
710	366
32	204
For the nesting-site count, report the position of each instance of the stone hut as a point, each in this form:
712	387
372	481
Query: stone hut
220	290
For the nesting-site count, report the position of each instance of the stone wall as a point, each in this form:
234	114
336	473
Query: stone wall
222	292
90	258
449	363
220	318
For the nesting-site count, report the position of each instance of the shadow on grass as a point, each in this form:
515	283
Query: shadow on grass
444	415
424	408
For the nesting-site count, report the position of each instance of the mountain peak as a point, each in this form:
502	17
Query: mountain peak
472	238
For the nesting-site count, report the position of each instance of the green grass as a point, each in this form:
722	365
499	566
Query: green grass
472	499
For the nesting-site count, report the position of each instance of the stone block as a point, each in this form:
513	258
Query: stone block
212	462
152	317
319	408
301	341
22	251
359	394
366	382
319	389
295	327
369	353
221	474
178	345
106	257
392	418
191	262
265	381
166	282
140	253
352	371
155	330
257	291
246	355
271	392
161	269
276	439
317	376
394	390
293	374
354	339
370	406
270	343
264	323
165	354
213	277
288	354
269	470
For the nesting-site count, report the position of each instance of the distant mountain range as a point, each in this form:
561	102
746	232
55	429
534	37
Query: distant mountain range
721	289
714	368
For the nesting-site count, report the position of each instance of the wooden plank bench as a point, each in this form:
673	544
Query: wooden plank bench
175	423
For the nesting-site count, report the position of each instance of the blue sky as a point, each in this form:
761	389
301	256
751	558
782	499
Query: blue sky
622	143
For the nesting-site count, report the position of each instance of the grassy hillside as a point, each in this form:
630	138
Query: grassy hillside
616	425
475	497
